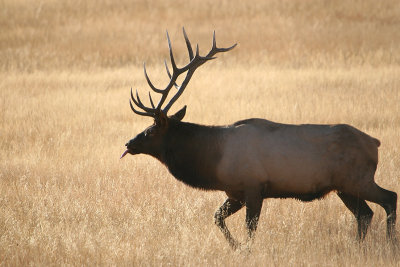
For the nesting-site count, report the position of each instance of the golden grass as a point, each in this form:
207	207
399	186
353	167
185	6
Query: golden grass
66	70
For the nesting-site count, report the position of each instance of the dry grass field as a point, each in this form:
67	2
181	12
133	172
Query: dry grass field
66	68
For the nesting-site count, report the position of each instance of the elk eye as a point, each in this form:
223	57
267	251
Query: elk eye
149	133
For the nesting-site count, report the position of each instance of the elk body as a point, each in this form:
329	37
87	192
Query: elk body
255	159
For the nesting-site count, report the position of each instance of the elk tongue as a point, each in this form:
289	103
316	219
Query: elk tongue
123	154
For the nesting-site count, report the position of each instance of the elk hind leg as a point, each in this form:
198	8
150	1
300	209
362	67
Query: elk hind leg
229	207
386	199
361	211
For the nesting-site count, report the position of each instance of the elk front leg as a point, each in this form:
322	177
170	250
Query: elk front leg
254	199
229	207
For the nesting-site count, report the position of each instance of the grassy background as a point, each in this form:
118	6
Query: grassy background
66	68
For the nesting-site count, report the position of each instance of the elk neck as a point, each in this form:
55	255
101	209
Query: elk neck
192	153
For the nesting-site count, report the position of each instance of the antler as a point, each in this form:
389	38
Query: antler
195	62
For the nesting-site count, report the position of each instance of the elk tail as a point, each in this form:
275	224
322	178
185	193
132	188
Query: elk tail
376	141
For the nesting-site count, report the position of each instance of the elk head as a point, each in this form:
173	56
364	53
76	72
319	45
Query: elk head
151	140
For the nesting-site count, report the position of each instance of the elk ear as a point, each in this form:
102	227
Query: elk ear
180	114
161	119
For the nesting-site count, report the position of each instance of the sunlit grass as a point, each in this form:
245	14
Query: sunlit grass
66	71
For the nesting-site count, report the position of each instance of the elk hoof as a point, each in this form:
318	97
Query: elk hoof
235	245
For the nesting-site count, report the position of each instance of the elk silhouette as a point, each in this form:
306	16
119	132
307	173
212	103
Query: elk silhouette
255	159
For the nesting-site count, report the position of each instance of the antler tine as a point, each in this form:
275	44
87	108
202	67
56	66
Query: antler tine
139	112
189	46
215	49
151	101
226	49
169	74
197	50
214	43
139	103
174	67
149	82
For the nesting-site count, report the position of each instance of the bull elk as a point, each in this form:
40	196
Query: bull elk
255	159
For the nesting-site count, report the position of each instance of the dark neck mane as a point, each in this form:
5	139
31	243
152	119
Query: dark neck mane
192	153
